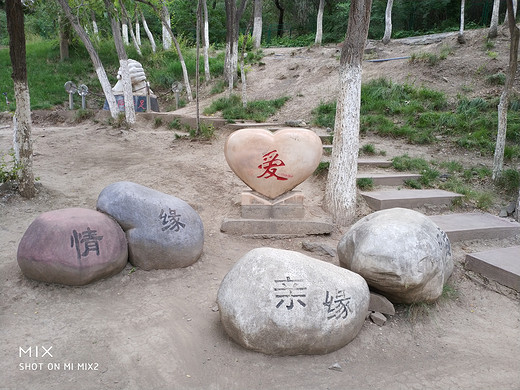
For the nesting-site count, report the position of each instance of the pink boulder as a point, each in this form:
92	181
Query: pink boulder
72	246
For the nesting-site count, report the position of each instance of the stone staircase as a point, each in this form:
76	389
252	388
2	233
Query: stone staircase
499	264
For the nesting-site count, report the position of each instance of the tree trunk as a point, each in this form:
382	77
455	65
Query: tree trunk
64	38
493	28
498	160
388	22
517	211
98	66
319	23
95	29
22	117
148	33
166	27
515	5
128	22
281	11
340	193
197	68
123	63
460	38
206	41
257	24
137	30
233	16
124	28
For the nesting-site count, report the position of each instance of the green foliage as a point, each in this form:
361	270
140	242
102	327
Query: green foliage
218	87
365	183
452	166
82	115
411	183
324	114
496	79
9	169
258	110
174	124
157	122
509	181
206	131
407	163
323	167
369	149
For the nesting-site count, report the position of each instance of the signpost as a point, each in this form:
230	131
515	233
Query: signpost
177	88
71	89
83	91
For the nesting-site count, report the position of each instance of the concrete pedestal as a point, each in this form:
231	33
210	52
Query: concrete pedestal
282	216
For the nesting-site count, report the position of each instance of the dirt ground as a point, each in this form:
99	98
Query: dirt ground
160	329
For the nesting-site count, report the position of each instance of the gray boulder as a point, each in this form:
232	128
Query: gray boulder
72	246
285	303
401	253
162	231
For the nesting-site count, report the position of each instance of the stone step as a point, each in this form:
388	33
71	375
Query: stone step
374	162
475	226
388	179
501	265
380	200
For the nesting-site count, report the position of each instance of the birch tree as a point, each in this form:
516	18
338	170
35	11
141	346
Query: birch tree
460	37
166	24
98	65
388	22
319	23
22	116
493	28
498	160
257	24
127	21
515	5
148	32
95	29
205	36
123	64
340	193
233	16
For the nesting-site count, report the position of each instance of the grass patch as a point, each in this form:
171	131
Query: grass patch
8	168
365	184
324	114
323	167
509	182
232	108
407	163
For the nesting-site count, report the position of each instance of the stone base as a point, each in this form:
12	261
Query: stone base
276	227
139	103
286	206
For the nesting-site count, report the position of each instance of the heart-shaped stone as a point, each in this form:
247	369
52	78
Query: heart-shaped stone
273	163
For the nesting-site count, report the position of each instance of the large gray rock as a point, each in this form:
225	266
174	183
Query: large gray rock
400	252
72	246
285	303
162	231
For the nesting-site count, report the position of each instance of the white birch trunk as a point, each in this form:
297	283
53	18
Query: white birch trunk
134	40
340	194
148	33
493	28
124	33
498	159
95	29
461	37
319	23
244	81
228	68
138	32
388	22
257	24
22	139
127	91
206	41
166	37
107	90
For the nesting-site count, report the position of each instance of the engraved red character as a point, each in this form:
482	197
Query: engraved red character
271	162
142	104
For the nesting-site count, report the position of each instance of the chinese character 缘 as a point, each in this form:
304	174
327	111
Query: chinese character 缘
290	290
270	164
171	220
337	306
89	238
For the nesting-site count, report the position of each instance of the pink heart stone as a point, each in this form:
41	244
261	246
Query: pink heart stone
273	163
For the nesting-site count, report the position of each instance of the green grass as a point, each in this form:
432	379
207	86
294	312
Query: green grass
422	116
47	75
365	184
232	108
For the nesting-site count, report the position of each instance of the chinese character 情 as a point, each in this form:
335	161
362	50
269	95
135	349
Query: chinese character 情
270	163
337	306
290	290
171	220
88	241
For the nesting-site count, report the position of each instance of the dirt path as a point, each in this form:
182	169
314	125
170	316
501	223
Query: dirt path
159	329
